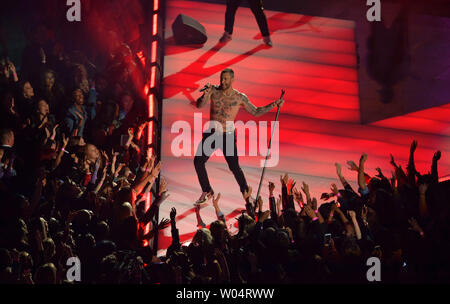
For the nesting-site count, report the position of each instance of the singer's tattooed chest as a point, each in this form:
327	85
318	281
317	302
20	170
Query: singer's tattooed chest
224	108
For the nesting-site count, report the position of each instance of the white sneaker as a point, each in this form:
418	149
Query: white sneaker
204	197
267	41
225	37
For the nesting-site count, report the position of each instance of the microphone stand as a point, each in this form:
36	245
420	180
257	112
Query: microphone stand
267	156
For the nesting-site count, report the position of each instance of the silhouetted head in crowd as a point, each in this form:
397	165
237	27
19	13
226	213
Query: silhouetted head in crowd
126	103
124	211
49	249
101	231
6	137
91	153
246	223
26	90
78	97
45	274
80	78
48	79
81	221
25	260
85	244
219	231
203	238
43	108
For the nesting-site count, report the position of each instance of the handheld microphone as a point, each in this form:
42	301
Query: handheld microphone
206	87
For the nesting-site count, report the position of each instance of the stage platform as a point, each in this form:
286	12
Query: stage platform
314	60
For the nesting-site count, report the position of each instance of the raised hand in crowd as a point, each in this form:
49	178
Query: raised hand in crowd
284	179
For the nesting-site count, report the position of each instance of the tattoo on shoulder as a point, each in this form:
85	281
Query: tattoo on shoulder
244	98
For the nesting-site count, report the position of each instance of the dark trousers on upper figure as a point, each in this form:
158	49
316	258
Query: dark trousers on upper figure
257	9
200	159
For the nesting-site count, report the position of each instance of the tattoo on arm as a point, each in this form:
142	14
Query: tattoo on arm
199	102
202	100
252	109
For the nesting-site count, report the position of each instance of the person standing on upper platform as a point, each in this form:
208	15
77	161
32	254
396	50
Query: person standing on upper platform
257	9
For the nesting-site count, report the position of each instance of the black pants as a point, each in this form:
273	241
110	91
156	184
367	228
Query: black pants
232	161
257	10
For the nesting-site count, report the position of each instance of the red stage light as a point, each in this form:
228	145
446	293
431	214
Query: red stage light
155	24
151	100
147	206
149	152
154	48
151	105
150	133
152	77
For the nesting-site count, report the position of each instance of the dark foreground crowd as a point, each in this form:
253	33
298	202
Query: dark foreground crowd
74	177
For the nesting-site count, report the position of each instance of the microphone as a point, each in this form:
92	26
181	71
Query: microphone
206	87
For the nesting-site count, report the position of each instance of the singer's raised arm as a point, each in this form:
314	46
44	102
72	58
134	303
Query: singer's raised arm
202	100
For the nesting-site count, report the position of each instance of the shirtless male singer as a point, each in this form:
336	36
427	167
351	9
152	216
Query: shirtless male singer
225	104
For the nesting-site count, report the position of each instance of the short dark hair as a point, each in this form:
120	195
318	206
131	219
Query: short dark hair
227	70
5	134
22	84
45	72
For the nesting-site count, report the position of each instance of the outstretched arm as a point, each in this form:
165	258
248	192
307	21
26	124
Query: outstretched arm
65	141
361	177
149	178
248	205
200	223
175	234
353	167
272	203
411	168
258	111
219	213
150	214
341	177
434	168
352	215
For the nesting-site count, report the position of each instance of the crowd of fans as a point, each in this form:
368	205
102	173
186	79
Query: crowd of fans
402	220
74	176
74	169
